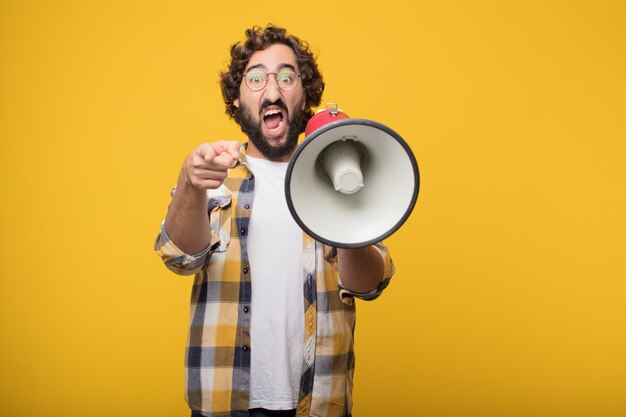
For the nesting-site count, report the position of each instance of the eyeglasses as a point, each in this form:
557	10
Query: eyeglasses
286	79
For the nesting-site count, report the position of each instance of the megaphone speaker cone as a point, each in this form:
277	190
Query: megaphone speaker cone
342	162
352	183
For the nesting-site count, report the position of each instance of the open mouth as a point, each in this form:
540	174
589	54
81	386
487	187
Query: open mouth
274	120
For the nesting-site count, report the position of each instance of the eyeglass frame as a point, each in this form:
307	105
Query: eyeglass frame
267	74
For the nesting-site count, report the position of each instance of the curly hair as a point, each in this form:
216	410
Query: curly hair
257	39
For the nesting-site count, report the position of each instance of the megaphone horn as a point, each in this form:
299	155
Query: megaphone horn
352	182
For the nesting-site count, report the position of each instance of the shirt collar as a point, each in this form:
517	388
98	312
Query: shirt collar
242	153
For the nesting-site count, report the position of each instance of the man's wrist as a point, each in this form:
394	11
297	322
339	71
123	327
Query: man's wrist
186	187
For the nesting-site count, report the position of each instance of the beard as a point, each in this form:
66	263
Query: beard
252	128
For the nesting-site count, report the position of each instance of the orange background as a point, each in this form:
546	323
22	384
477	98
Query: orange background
509	295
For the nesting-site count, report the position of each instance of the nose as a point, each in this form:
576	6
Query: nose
272	92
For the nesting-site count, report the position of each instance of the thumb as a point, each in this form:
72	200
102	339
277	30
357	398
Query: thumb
225	160
233	149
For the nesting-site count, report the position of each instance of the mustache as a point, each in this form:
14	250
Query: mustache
279	103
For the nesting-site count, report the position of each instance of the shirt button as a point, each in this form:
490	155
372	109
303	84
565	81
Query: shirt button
247	206
243	231
245	348
246	309
245	270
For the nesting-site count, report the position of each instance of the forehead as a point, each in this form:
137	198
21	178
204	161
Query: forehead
273	58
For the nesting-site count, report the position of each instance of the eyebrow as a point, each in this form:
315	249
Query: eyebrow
263	67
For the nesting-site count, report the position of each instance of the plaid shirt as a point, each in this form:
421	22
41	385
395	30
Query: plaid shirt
217	371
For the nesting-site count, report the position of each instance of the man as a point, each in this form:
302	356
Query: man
272	311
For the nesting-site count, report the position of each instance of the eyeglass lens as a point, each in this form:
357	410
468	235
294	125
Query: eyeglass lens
286	79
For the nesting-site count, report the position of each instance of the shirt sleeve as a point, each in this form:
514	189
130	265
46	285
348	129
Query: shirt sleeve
175	259
347	296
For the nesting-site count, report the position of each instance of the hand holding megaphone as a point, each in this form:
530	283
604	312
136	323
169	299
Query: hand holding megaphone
352	182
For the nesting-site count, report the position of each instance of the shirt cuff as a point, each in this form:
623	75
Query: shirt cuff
347	295
175	259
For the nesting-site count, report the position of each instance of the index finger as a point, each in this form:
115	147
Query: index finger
207	151
229	146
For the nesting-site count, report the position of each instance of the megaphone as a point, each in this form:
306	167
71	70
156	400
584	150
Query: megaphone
352	182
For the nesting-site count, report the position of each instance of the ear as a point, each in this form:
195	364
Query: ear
236	102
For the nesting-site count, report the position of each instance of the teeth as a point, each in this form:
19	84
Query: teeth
270	112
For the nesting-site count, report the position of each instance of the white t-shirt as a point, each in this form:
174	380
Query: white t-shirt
276	266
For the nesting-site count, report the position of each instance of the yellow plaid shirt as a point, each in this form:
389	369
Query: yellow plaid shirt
217	363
